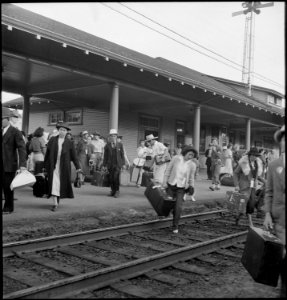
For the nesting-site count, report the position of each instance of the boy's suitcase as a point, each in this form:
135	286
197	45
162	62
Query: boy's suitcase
100	179
226	179
236	202
262	256
40	187
146	178
159	199
135	174
125	177
39	166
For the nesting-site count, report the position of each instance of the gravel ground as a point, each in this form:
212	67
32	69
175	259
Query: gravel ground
233	282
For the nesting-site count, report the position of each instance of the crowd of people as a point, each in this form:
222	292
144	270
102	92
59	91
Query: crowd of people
174	171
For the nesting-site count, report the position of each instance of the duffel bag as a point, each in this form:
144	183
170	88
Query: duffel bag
226	179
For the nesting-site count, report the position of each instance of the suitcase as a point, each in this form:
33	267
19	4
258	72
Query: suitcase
40	187
125	178
262	256
236	202
100	179
39	166
226	179
135	174
159	199
146	178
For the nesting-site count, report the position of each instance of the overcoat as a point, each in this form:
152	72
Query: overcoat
274	201
68	154
108	155
13	148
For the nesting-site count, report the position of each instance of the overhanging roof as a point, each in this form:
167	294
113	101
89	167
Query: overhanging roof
47	71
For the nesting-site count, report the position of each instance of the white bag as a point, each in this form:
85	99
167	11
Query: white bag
138	162
22	179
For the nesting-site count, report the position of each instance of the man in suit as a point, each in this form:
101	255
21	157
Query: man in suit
13	157
114	159
274	200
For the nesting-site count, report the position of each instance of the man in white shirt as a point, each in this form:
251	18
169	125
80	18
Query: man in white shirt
159	153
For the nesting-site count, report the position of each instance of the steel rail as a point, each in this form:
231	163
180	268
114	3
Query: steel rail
65	288
10	249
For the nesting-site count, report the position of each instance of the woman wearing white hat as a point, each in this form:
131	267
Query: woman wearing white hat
161	157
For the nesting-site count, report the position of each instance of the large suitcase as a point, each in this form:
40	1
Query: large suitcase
40	187
262	256
100	179
159	199
236	202
146	178
226	179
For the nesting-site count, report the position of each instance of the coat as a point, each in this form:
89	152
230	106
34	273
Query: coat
108	155
68	154
274	200
170	172
13	150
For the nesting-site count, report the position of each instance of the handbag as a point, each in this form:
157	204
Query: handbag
77	182
22	179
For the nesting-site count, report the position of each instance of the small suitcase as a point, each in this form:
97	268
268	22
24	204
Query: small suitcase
262	256
236	202
226	179
135	174
146	178
159	199
39	166
40	187
125	177
100	179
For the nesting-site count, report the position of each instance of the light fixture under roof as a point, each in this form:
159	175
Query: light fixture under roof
9	27
38	37
106	58
156	74
64	45
170	79
182	83
87	52
141	70
125	64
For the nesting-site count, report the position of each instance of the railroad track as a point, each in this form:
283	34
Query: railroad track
121	260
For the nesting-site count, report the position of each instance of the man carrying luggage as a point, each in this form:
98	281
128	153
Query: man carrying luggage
114	159
13	157
274	201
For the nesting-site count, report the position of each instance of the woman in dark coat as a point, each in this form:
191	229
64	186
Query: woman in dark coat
60	152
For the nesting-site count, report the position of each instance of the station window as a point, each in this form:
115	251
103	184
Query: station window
55	117
74	117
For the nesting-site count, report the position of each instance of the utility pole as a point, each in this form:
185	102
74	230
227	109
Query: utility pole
249	35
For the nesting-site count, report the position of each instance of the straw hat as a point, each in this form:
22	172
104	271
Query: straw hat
113	131
150	137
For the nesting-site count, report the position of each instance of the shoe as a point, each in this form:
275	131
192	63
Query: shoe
138	185
6	212
54	207
175	231
217	188
192	198
15	199
117	194
111	194
211	188
58	200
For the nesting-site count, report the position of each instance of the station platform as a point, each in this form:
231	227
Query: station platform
89	199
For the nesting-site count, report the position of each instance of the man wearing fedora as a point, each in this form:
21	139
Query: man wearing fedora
114	159
159	153
274	200
59	155
246	176
13	157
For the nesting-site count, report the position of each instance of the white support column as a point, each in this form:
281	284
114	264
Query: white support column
26	113
248	134
114	107
196	128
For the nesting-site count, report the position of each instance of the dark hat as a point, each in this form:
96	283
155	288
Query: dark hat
253	151
6	112
62	124
96	133
187	149
279	133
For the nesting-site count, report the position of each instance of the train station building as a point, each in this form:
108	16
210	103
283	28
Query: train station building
93	84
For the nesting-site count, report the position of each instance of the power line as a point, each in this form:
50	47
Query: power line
268	80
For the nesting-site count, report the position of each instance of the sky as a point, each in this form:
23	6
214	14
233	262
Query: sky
199	35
